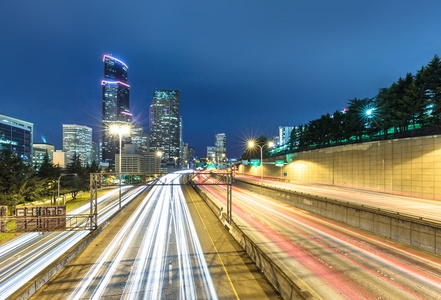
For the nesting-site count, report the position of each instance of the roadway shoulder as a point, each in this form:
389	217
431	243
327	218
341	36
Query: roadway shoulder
233	272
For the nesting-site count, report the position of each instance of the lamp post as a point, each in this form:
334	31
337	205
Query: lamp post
73	174
251	144
121	130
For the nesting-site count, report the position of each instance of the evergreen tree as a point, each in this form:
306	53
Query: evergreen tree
80	181
18	180
48	173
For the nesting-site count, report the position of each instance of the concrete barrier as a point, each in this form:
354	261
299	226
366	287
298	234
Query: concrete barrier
26	291
419	232
287	287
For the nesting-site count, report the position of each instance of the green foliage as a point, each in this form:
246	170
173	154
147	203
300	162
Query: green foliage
412	103
80	182
18	180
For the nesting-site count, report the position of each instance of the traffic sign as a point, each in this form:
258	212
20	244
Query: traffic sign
255	162
279	163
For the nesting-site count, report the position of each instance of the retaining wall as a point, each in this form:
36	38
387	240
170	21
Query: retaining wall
409	166
418	232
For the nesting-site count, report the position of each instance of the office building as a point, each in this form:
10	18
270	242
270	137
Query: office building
284	134
211	153
115	105
96	152
135	160
17	135
60	159
77	139
40	150
185	156
220	143
165	131
139	138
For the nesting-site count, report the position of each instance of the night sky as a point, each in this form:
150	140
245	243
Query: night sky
244	67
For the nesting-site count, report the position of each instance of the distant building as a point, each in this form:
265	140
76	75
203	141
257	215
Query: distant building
40	150
17	135
115	105
140	138
191	157
185	161
77	139
181	142
221	147
60	159
211	153
136	161
284	134
165	121
96	152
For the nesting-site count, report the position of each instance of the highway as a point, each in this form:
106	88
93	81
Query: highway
155	255
25	256
425	208
333	260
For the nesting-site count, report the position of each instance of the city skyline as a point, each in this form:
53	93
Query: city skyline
283	64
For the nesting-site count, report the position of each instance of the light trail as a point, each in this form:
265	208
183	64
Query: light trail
168	262
419	207
27	255
333	260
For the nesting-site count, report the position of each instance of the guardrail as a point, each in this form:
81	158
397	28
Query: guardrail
424	233
287	287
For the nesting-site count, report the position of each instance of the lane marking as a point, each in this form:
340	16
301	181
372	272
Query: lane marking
212	242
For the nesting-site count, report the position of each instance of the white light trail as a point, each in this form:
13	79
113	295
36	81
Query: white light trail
162	230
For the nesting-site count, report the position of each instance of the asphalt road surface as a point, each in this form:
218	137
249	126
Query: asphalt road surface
332	259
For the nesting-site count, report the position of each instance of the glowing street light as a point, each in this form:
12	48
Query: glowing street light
251	144
121	130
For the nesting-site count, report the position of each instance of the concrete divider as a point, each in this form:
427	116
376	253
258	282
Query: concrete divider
412	230
26	291
287	287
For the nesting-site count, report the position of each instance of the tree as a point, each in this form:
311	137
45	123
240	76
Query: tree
80	182
19	182
357	120
432	87
48	173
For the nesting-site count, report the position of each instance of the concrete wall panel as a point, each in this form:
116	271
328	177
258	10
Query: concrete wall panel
410	166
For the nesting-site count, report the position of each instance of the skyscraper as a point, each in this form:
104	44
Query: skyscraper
165	131
284	134
77	139
140	138
115	104
220	143
17	135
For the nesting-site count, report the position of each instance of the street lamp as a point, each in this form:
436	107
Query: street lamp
251	144
121	130
73	174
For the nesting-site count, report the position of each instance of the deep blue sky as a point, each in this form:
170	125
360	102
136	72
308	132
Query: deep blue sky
244	66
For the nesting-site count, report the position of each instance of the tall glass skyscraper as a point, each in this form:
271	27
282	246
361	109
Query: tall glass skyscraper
17	135
78	139
220	142
165	123
115	105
